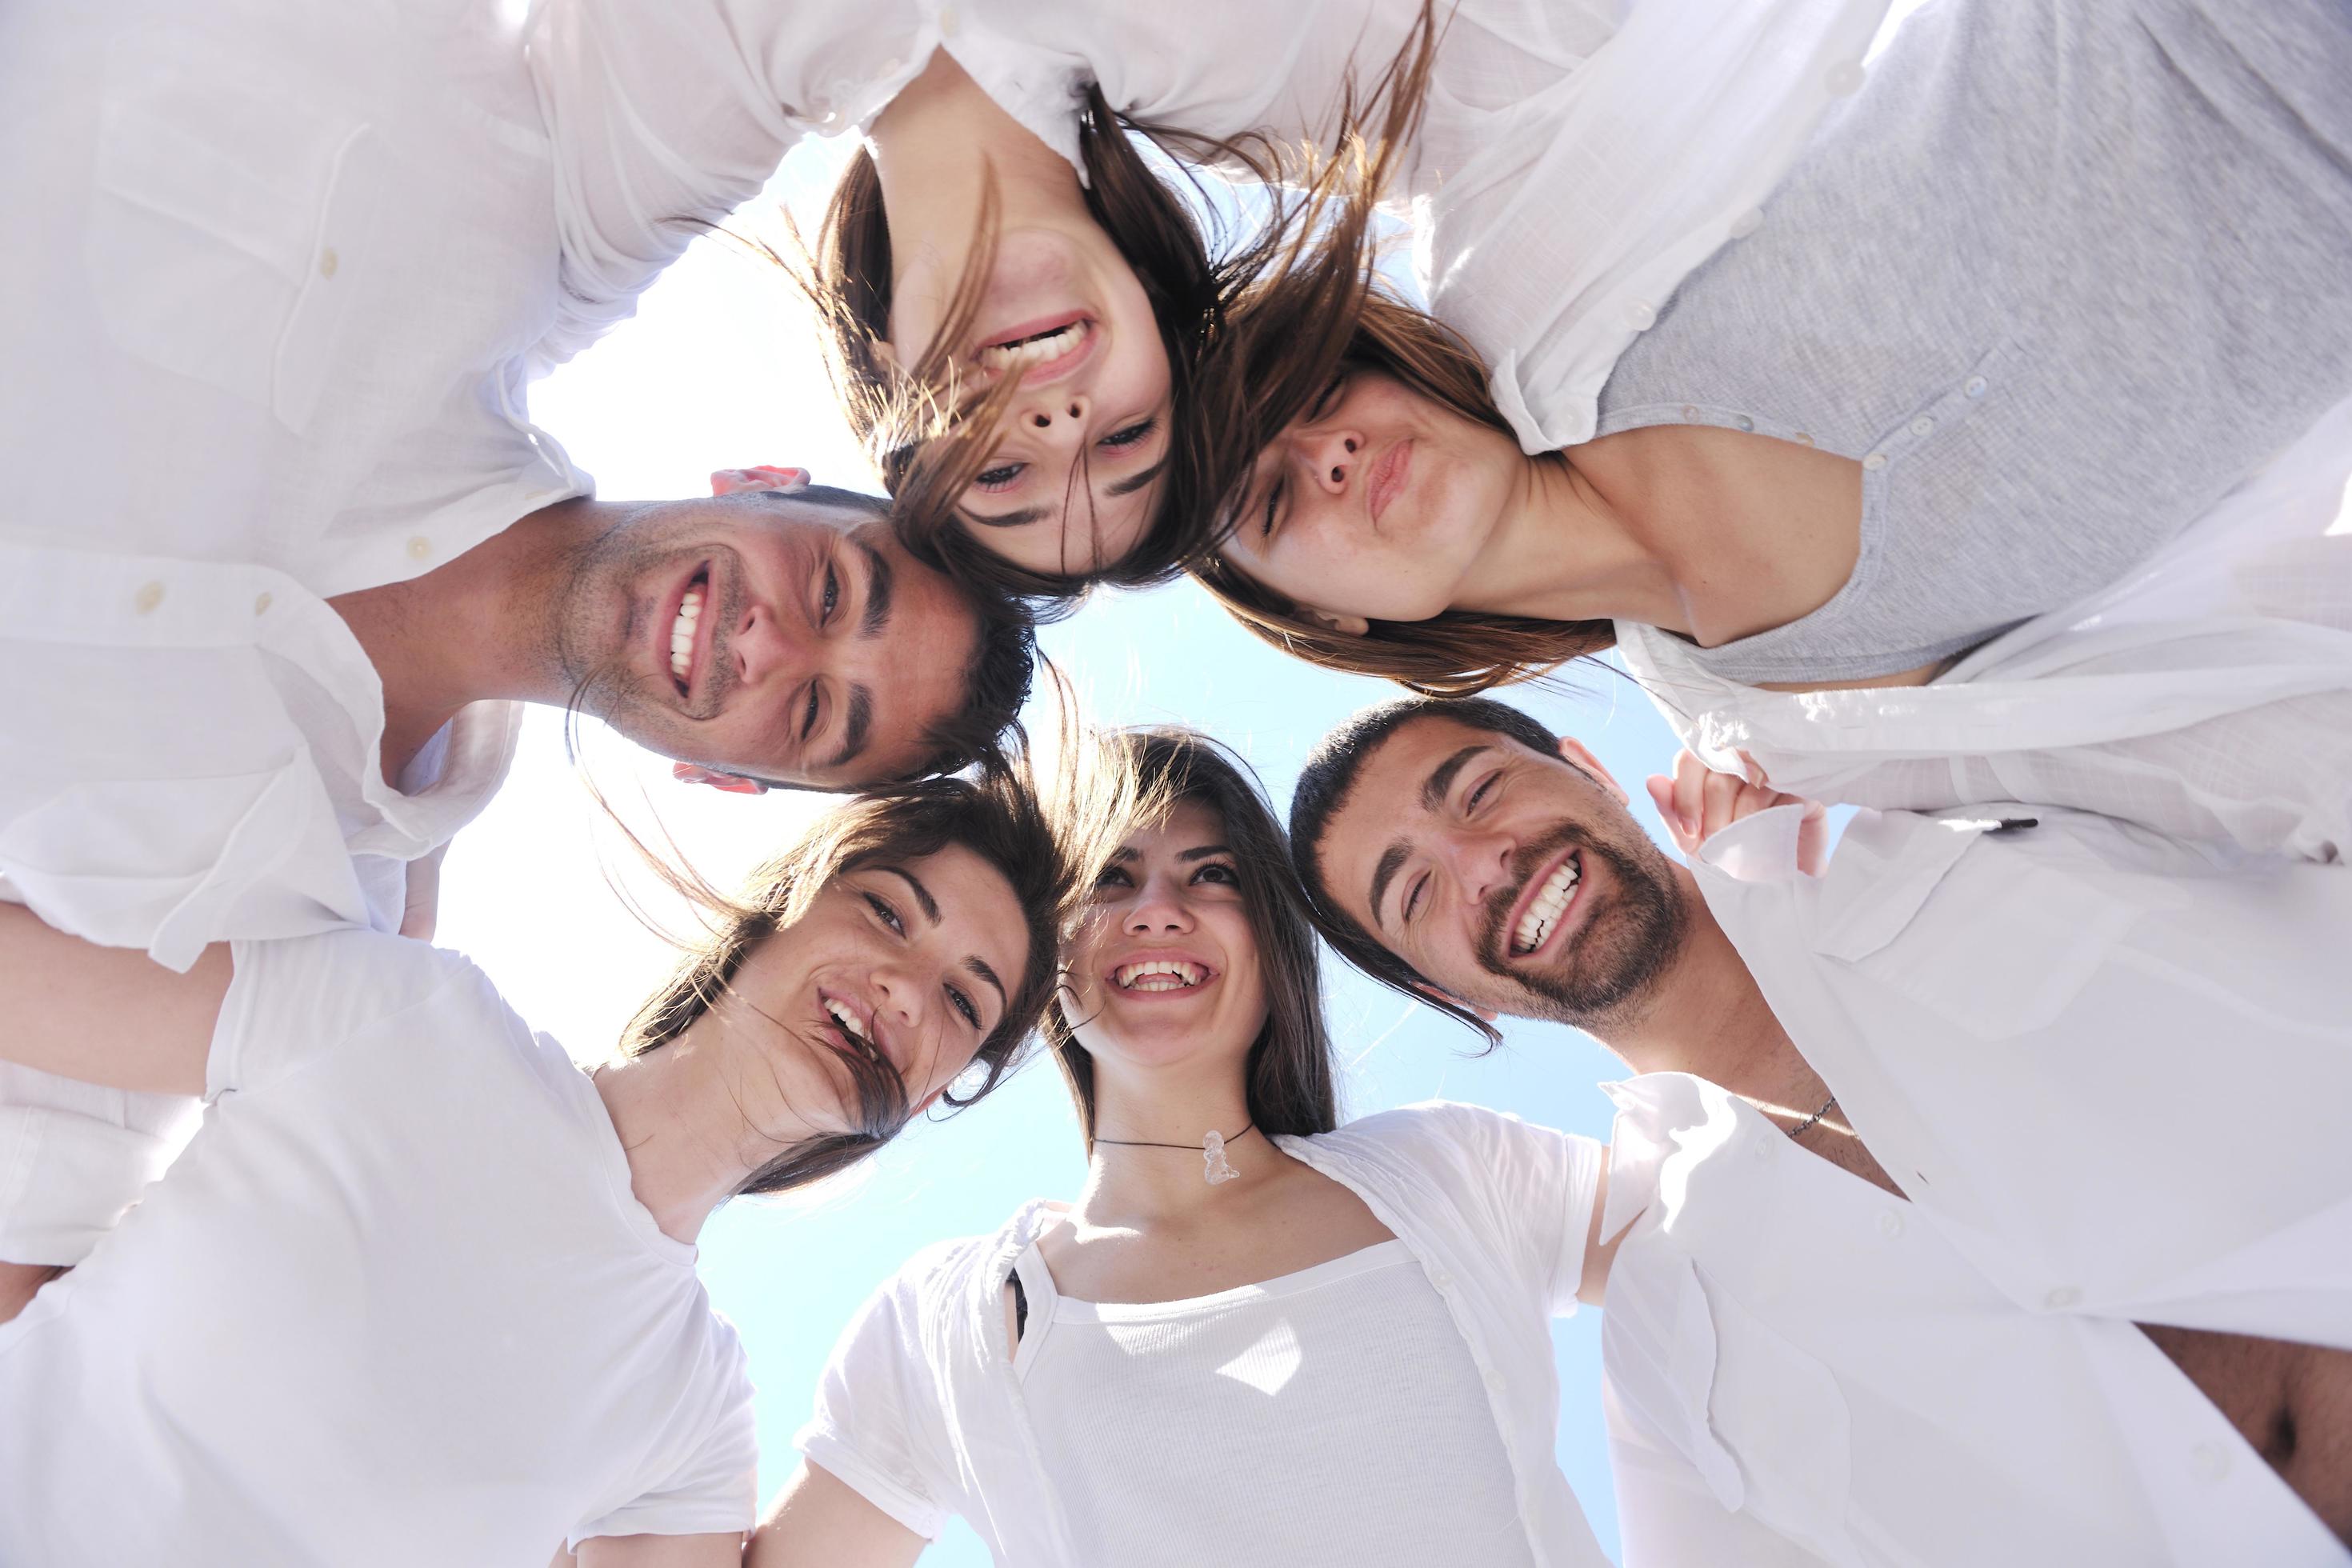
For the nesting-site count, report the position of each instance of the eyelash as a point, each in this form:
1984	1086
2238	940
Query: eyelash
832	596
962	1003
1413	899
1005	475
1231	874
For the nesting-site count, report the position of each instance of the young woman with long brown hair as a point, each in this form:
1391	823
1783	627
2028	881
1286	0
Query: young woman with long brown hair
1256	1332
1058	352
421	1290
1887	426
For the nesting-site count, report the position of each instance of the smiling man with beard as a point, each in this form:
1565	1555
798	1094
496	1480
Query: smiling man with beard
2016	1309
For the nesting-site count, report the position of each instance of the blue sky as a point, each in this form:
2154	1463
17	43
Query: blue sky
719	371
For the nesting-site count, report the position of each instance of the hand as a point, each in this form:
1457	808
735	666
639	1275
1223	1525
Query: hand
766	477
1698	803
423	908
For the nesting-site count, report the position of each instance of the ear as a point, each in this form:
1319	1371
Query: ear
1346	625
1434	994
727	481
732	783
1574	755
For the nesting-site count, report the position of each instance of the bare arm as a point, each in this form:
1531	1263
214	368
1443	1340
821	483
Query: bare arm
658	1551
821	1521
108	1016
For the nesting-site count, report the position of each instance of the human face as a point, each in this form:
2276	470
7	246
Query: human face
1169	902
763	635
1374	504
1073	472
1513	880
907	963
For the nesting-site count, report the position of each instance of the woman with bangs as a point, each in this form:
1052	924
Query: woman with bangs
422	1290
1908	497
1061	348
1254	1332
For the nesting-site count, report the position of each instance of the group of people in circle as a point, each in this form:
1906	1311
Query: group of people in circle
1948	420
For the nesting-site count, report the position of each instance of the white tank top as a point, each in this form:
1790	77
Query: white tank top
1331	1416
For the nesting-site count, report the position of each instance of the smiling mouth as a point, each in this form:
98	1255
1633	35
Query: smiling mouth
1159	975
1550	903
682	631
854	1037
1052	347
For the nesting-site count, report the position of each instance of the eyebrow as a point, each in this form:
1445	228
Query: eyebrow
1204	852
1391	861
922	894
1441	777
856	731
979	966
881	576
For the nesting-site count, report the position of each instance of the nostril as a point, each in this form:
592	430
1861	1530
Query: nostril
1040	420
1350	445
1338	475
1074	412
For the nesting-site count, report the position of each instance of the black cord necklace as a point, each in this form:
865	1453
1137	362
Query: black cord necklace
1215	1167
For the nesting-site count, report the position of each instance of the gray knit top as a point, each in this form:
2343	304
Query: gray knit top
2058	276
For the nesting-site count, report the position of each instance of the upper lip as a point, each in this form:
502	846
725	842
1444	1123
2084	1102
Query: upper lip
1519	906
1385	477
874	1036
1159	954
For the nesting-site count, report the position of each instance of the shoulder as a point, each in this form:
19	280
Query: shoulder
962	1269
1445	1140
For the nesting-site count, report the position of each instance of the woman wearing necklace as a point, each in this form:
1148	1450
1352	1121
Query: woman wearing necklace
1254	1329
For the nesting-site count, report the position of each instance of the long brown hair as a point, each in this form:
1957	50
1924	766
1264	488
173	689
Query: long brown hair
1289	1079
1250	327
1456	653
997	816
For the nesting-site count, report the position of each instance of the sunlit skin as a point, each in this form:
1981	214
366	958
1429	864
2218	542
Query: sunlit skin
823	654
1070	482
1379	503
921	953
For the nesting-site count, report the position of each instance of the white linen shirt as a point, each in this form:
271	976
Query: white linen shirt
2045	1035
280	267
2207	695
922	1412
1576	160
397	1303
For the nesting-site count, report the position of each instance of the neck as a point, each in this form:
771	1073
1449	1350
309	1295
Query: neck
477	627
937	148
1136	1186
1565	551
678	1113
1711	1020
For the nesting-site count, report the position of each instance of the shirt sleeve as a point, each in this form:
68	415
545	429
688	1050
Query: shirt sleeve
1536	1187
876	1426
1666	1514
664	118
291	999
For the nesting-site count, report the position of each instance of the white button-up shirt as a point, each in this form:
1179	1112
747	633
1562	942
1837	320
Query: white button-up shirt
2043	1034
1576	162
922	1412
2207	696
276	275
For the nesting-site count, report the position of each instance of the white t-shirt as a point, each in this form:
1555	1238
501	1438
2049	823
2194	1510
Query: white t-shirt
1181	1430
396	1304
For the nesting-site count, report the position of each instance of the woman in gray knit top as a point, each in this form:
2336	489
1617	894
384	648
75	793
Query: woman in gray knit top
2055	280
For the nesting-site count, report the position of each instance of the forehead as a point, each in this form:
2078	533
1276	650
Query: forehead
1190	823
978	911
1387	803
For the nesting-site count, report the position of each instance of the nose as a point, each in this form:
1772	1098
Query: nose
764	648
900	999
1059	419
1328	453
1479	863
1158	909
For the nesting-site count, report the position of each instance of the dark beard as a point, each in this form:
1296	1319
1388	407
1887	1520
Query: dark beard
1614	962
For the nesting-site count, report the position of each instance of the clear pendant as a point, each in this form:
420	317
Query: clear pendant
1212	1158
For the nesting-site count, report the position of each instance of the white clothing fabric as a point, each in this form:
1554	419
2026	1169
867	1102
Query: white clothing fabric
921	1409
397	1303
2207	696
1242	1417
1596	150
2027	1028
1802	1369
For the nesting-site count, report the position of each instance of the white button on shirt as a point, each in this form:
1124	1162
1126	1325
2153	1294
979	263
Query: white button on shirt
2207	695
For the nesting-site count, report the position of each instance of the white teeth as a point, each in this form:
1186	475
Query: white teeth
1554	896
847	1019
1053	345
681	634
1159	975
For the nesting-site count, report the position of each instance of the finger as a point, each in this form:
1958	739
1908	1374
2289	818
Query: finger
1690	779
1662	796
1721	792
